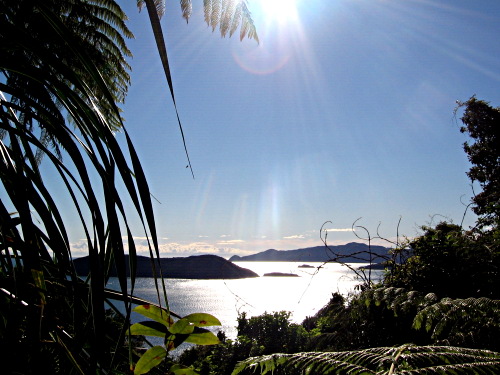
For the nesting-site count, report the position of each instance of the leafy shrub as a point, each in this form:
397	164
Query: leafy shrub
451	262
471	322
375	317
264	334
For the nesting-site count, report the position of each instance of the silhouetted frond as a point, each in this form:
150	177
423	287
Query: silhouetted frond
62	72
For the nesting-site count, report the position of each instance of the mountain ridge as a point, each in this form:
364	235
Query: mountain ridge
353	252
192	267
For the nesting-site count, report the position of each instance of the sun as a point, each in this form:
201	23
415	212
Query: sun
281	11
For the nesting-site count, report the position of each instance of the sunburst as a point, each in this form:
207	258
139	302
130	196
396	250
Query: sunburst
280	10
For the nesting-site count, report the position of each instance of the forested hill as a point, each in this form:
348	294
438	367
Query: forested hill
353	252
193	267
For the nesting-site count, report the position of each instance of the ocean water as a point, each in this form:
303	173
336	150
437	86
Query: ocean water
303	296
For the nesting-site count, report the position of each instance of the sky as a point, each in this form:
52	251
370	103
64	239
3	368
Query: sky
343	111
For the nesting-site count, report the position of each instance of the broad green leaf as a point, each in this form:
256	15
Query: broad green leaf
173	341
153	312
148	328
150	359
182	326
182	370
202	337
202	320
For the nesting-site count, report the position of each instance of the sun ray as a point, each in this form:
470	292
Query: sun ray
281	11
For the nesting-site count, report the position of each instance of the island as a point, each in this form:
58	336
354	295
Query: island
353	252
306	266
375	266
193	267
281	274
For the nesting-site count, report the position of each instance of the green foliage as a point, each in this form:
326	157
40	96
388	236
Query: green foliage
187	329
375	317
271	333
406	359
264	334
391	316
482	124
471	322
450	262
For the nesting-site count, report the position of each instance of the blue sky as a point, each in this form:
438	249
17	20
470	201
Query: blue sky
344	110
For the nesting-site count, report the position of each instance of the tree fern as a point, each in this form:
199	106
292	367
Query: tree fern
399	300
468	322
228	15
375	317
406	359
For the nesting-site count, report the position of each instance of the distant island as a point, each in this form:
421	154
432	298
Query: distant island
319	254
193	267
280	274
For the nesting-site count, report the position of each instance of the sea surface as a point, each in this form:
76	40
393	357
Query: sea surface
302	296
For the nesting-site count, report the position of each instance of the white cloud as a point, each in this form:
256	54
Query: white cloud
80	244
338	229
79	248
226	247
295	237
229	242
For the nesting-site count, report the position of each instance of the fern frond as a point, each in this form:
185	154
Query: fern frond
263	363
309	363
207	7
460	320
483	368
228	15
187	9
235	21
228	12
247	27
215	14
159	5
407	359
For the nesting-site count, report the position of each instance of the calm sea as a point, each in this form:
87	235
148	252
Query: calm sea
302	296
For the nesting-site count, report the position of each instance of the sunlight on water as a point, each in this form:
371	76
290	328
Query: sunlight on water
303	295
